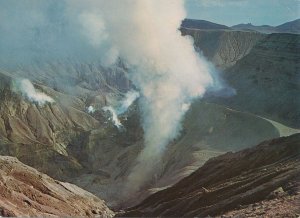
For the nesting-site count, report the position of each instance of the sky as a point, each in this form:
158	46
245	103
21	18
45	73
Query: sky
232	12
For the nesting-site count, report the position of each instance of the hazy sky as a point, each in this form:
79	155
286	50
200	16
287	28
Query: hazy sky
257	12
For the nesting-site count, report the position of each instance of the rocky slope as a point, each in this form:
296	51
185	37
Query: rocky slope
26	192
231	181
267	80
223	47
39	134
283	205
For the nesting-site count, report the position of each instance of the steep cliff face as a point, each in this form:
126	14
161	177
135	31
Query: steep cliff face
233	180
26	192
223	47
267	80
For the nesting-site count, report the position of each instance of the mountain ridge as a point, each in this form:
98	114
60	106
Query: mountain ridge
201	24
288	27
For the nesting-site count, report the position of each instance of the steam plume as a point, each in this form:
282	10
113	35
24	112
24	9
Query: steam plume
114	116
123	106
162	64
130	97
91	109
28	90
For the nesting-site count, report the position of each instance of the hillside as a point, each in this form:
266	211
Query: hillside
234	180
26	192
264	69
267	80
266	29
290	27
223	48
39	134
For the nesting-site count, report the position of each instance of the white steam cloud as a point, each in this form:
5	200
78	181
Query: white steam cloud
162	64
114	116
130	97
28	90
123	106
91	109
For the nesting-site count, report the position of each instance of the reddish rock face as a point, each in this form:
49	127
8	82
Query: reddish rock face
26	192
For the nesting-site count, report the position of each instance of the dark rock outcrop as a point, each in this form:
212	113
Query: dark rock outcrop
228	181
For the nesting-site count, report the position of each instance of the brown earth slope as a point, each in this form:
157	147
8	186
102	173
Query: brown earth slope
26	192
231	181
